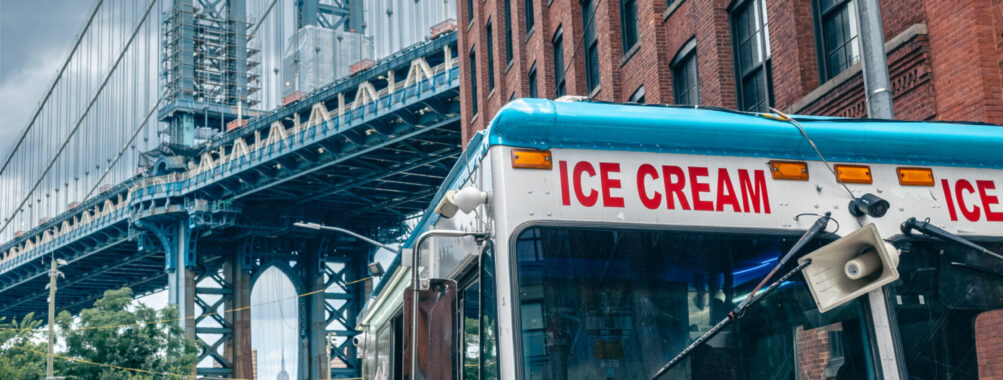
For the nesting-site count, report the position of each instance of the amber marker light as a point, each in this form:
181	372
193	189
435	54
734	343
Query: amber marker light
854	174
789	170
915	176
531	159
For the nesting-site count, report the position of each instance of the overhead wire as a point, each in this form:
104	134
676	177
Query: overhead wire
86	111
277	300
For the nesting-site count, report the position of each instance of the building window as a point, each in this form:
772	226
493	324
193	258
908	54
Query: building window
637	96
628	23
533	92
836	27
558	63
508	32
473	81
470	11
529	16
685	81
491	57
752	55
591	45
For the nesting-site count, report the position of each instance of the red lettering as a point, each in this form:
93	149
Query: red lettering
950	202
989	200
565	195
647	171
674	187
757	193
726	192
590	199
697	188
972	214
605	168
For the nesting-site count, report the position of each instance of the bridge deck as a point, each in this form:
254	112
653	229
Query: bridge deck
376	157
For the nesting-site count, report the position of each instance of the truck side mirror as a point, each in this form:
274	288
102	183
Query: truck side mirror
436	347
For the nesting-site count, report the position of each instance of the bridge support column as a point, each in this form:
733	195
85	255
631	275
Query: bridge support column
318	363
238	349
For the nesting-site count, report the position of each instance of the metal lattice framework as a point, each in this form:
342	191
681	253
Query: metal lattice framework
365	152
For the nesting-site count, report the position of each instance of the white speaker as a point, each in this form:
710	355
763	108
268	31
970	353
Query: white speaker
850	267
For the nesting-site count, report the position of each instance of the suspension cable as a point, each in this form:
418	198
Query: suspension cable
59	76
94	99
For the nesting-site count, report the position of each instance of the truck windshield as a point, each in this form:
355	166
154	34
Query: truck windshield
618	304
949	307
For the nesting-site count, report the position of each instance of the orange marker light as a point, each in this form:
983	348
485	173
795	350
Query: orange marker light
915	176
789	170
531	159
854	174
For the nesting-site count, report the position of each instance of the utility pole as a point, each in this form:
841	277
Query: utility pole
878	95
54	275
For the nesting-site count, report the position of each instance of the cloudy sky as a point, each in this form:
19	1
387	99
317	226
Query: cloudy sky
35	37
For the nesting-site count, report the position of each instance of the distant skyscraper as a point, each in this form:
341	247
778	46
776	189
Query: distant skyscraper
254	364
283	375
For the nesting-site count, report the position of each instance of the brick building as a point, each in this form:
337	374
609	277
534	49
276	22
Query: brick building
945	57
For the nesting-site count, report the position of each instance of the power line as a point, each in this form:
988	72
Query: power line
51	88
125	48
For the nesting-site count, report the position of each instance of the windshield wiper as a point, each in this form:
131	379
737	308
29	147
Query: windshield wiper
815	229
928	229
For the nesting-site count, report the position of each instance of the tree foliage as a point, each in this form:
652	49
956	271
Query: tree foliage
20	353
123	334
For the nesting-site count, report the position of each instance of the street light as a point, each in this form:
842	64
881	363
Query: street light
54	274
319	227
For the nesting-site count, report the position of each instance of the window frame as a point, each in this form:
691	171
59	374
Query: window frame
629	35
470	12
686	56
819	15
489	35
473	81
637	97
591	40
765	66
560	76
530	19
533	82
508	31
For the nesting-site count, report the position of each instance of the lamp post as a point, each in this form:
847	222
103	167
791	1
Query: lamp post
54	275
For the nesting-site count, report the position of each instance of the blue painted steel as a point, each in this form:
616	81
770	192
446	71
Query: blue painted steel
542	124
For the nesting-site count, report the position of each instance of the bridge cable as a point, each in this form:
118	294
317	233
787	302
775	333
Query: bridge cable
125	146
262	19
90	105
48	94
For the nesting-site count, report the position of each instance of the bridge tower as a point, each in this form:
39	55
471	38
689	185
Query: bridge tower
209	71
210	75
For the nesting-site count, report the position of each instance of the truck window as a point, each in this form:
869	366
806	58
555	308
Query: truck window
949	308
618	304
470	349
489	316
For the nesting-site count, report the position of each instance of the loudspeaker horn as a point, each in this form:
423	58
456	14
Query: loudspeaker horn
850	267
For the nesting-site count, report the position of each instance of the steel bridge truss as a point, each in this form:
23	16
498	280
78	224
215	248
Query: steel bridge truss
365	153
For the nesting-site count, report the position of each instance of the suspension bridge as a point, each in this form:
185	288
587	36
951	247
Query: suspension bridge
165	155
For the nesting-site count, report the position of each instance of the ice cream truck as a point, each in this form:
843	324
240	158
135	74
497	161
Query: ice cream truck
587	240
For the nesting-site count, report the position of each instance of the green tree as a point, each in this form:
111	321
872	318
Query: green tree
21	357
118	332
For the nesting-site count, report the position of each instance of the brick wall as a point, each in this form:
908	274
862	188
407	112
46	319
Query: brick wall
989	344
953	72
813	350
